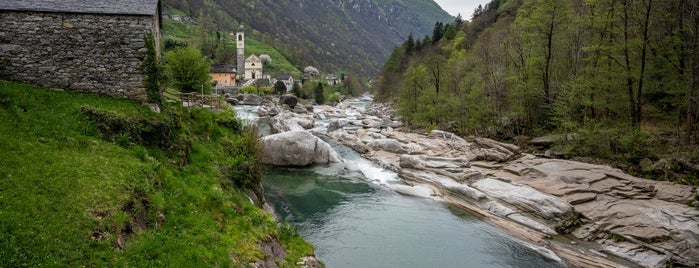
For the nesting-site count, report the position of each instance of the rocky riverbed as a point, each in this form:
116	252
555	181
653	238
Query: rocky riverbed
587	215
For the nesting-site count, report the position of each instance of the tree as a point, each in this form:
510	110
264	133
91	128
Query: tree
187	69
280	87
311	71
319	94
450	32
410	45
296	90
458	21
437	32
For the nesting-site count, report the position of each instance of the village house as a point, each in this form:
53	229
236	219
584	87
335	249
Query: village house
223	75
286	78
85	45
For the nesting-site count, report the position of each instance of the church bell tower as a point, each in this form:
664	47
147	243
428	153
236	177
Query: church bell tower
240	47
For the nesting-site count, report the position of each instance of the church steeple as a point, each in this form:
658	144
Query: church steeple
240	47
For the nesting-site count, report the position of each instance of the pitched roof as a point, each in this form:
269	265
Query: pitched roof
125	7
283	77
223	68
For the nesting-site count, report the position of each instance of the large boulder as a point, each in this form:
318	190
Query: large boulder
286	121
289	100
251	99
296	148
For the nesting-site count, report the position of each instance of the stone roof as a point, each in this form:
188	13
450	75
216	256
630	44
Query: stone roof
223	68
283	77
124	7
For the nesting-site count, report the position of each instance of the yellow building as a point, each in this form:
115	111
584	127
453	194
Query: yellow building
223	74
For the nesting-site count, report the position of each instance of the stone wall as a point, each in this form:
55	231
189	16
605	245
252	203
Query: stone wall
84	52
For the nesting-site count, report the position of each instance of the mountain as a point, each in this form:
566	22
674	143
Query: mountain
334	35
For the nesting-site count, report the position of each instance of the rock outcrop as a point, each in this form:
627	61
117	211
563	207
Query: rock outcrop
644	222
296	148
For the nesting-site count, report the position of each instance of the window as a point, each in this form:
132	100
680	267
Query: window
240	37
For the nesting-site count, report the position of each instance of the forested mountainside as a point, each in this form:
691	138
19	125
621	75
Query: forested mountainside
617	80
352	35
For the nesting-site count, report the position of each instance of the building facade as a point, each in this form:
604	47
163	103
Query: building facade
253	68
223	75
84	45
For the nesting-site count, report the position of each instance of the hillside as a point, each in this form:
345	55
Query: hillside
613	82
186	32
353	35
93	181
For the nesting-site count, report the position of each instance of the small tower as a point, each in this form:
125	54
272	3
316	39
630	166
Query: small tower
240	47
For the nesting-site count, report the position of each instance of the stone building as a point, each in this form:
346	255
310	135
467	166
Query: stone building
85	45
253	67
223	74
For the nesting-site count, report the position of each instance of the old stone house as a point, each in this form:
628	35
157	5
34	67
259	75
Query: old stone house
286	78
85	45
223	74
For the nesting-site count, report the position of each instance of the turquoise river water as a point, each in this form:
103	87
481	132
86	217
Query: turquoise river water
354	220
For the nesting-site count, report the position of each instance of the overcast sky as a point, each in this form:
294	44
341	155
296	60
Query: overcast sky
465	7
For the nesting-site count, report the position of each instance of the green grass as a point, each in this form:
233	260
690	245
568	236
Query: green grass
68	192
187	32
279	62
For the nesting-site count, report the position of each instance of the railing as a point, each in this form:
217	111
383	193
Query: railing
194	99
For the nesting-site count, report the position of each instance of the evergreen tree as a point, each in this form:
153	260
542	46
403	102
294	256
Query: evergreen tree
410	45
280	87
319	94
437	32
458	22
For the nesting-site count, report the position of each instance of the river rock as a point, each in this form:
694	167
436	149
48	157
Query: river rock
296	148
286	121
490	150
389	145
334	125
419	190
251	99
424	161
273	111
439	134
299	109
526	199
289	100
232	101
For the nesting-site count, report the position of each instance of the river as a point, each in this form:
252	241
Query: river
355	220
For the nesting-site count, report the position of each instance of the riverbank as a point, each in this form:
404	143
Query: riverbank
88	180
587	215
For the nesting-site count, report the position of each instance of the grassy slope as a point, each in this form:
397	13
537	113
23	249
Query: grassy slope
67	195
187	32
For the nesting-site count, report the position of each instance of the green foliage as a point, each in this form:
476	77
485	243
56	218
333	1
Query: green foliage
188	69
319	94
70	197
249	90
296	90
172	44
151	70
280	87
596	69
